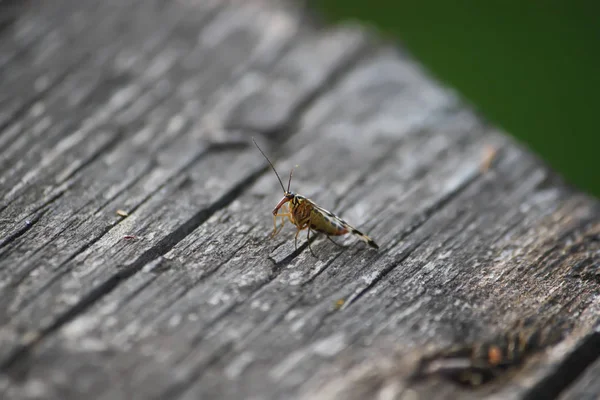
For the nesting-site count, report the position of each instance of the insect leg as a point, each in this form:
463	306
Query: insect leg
296	239
336	243
274	226
308	241
275	229
300	228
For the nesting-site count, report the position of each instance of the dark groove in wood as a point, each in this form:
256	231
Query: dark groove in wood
375	166
161	248
145	89
202	304
150	51
20	112
44	205
287	128
422	219
567	372
17	281
22	230
105	148
210	149
60	270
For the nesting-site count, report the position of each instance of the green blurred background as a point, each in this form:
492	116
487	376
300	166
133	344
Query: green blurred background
531	67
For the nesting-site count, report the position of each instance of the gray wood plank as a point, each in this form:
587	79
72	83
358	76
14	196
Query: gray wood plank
50	54
71	235
484	286
95	89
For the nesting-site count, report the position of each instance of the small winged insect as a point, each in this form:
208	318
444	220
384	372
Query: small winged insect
305	214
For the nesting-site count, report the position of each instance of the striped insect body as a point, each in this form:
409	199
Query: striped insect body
306	214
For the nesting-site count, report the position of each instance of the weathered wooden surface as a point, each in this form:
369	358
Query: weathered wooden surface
148	107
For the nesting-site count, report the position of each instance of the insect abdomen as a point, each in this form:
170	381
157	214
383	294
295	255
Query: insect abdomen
338	226
363	237
328	225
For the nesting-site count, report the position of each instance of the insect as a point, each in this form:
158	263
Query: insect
305	214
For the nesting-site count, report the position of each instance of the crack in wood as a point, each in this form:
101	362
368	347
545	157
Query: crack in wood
582	245
57	194
67	181
429	212
278	266
20	112
285	317
483	362
215	147
22	230
347	302
202	278
226	349
110	144
375	167
80	59
145	88
211	148
568	370
60	270
23	275
420	221
287	127
161	248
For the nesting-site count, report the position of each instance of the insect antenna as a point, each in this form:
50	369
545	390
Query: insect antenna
274	170
290	180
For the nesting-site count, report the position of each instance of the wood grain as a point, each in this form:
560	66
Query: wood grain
135	260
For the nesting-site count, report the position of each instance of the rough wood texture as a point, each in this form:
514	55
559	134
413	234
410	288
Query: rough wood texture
486	283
